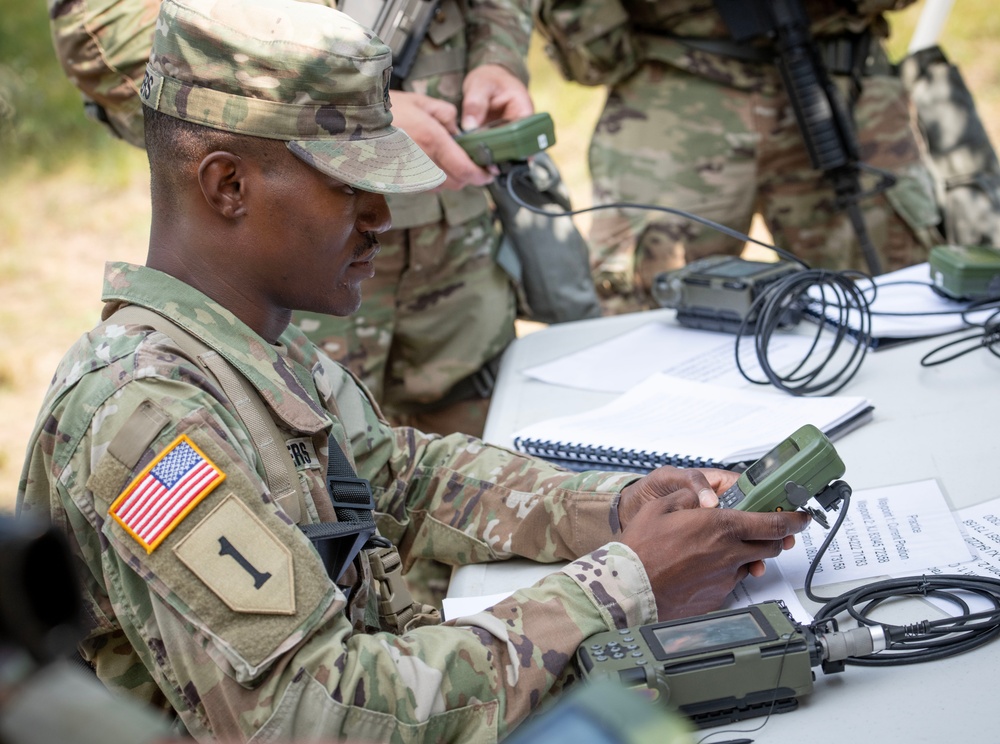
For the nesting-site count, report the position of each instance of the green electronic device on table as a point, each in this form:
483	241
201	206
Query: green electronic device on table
508	141
715	668
965	272
798	469
717	293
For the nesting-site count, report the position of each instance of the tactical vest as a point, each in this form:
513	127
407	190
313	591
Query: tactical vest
395	608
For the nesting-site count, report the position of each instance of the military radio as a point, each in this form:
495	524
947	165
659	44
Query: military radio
965	272
802	467
400	24
727	665
508	141
718	293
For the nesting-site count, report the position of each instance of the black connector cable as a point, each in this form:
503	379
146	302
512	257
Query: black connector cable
988	337
916	642
929	639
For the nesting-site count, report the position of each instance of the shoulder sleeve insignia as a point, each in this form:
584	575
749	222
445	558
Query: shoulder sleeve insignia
165	492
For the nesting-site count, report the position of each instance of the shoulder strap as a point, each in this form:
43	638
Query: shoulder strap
280	474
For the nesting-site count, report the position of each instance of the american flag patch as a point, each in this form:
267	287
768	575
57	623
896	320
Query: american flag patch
159	498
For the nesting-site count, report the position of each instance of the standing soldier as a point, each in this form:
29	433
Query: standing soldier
698	121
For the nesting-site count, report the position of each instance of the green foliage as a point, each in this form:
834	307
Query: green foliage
41	116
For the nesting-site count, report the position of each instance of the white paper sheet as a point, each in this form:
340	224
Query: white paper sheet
898	529
703	356
980	526
908	291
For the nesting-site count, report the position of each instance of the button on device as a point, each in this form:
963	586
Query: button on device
632	677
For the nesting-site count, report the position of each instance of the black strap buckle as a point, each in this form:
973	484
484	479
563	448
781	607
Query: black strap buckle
349	493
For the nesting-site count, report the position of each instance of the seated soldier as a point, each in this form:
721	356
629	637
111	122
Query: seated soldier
239	584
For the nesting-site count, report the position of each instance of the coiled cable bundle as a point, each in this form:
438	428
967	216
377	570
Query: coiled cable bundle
830	296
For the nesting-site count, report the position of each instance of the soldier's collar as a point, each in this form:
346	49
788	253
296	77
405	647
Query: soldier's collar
215	326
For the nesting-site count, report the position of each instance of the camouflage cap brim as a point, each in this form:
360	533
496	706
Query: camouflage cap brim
390	164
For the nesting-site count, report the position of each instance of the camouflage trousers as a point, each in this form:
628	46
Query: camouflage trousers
437	310
677	140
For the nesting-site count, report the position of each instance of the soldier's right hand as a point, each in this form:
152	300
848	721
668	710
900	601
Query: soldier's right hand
695	556
432	123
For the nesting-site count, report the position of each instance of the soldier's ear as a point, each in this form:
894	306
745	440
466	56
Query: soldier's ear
223	180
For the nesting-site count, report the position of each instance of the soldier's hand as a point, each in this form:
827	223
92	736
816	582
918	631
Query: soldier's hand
432	123
687	488
491	93
694	557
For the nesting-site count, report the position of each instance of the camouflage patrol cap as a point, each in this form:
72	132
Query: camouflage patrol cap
286	70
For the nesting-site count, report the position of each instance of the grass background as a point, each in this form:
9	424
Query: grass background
72	197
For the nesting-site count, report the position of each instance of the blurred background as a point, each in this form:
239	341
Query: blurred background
71	197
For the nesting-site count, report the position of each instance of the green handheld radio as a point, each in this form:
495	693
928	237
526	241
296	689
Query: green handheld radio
798	469
508	141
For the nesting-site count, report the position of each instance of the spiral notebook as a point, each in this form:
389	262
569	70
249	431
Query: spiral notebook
667	420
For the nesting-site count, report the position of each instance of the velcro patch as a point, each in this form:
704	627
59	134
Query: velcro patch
303	453
165	492
240	559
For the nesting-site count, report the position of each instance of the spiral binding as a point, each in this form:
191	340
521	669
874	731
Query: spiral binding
578	456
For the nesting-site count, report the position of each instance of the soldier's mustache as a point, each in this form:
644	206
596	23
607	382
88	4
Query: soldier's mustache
370	244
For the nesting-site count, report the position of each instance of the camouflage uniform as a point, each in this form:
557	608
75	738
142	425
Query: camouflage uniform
310	664
716	136
440	308
206	599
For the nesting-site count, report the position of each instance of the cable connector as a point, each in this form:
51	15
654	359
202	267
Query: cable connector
833	495
861	641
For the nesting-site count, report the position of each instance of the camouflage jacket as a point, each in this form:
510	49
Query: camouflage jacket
224	613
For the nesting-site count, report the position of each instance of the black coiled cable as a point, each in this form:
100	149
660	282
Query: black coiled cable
929	639
830	296
917	642
987	338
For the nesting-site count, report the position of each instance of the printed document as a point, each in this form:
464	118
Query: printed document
980	526
891	530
